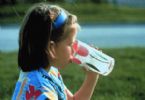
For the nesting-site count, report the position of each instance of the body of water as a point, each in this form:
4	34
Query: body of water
114	36
103	36
131	3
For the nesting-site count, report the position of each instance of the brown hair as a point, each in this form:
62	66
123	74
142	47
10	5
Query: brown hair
36	33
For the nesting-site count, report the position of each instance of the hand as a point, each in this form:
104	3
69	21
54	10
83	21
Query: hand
89	72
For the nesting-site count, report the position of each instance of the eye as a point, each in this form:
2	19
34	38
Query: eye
70	44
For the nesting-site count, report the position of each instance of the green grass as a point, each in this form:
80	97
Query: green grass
87	13
126	82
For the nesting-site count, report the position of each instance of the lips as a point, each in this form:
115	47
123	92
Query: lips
75	60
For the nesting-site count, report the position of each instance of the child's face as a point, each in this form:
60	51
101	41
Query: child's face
64	50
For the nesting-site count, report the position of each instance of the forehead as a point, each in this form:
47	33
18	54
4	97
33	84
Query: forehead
72	30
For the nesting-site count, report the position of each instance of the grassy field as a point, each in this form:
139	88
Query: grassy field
126	82
86	12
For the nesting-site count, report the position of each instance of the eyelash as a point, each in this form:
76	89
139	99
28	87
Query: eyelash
70	44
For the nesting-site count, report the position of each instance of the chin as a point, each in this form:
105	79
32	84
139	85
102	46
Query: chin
65	64
61	67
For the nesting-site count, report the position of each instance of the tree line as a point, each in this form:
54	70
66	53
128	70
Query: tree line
7	2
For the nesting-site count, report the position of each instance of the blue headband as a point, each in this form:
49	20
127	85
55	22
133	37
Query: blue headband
60	19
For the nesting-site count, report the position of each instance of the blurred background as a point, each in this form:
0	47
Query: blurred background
115	26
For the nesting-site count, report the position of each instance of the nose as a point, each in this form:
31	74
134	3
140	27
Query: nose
73	50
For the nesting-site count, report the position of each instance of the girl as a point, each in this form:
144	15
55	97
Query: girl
45	46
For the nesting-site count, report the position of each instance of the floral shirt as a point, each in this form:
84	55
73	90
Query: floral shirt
40	85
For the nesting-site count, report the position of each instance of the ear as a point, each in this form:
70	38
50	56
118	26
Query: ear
52	51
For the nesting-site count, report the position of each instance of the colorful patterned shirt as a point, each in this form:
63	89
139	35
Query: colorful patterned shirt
40	85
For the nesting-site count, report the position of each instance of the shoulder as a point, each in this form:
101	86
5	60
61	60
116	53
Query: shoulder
33	84
54	72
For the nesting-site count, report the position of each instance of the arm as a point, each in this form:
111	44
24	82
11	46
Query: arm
87	88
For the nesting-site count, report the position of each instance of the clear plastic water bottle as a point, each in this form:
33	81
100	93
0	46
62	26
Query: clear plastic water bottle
92	59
